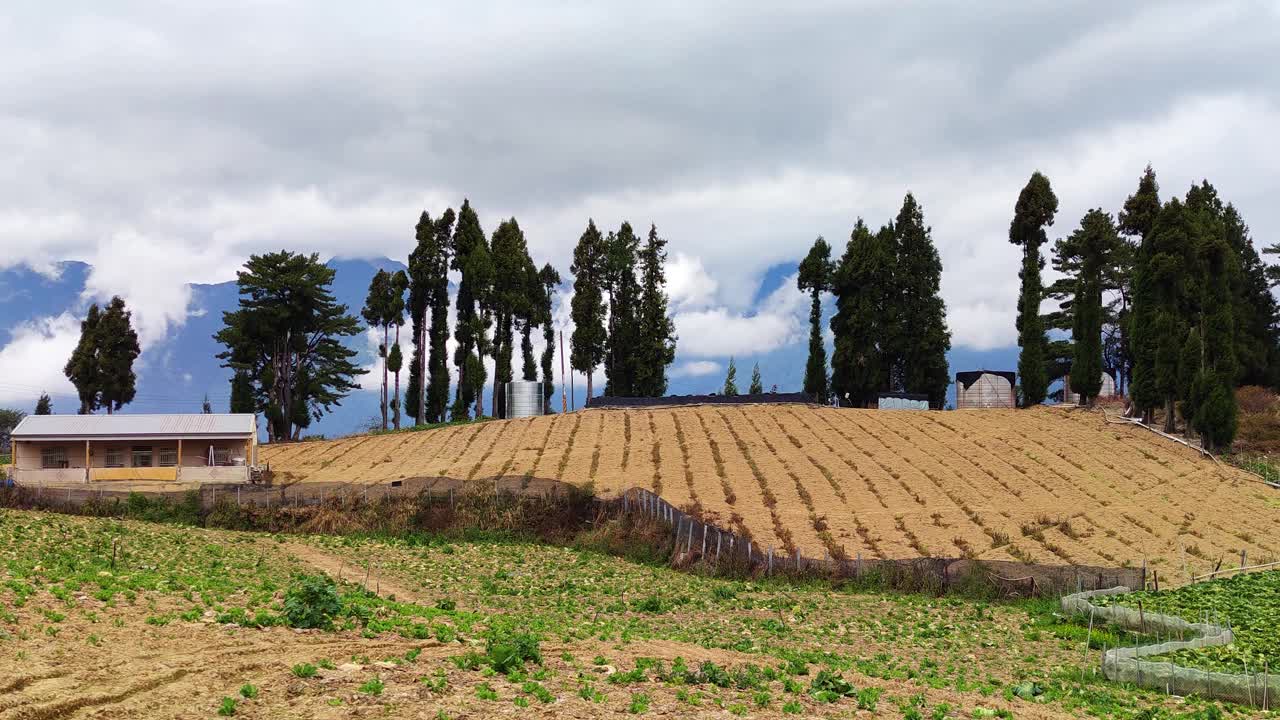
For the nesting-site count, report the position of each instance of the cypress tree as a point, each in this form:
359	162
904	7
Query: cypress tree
1137	220
375	312
509	302
657	331
730	380
1095	239
471	259
117	349
863	286
1034	211
922	314
621	256
815	278
550	280
82	369
1215	415
530	318
44	406
420	277
757	387
242	393
1161	290
437	395
589	341
395	317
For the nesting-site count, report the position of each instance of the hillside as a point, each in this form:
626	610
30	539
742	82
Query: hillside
1049	485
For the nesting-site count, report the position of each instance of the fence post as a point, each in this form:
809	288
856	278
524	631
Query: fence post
770	559
704	540
719	537
688	545
857	569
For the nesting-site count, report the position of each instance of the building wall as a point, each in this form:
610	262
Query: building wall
193	461
988	391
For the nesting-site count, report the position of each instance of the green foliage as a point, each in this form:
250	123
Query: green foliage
639	703
1036	207
44	406
248	691
815	277
589	342
515	286
311	602
829	687
283	296
657	344
622	357
863	323
1094	240
428	284
549	279
472	259
730	388
921	314
507	650
757	387
372	686
101	366
227	707
304	670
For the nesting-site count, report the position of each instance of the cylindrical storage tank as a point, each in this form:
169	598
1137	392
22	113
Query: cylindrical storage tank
524	398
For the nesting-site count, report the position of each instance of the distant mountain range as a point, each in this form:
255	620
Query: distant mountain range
178	371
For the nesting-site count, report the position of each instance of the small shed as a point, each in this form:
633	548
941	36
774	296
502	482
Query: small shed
1108	388
902	401
85	448
982	389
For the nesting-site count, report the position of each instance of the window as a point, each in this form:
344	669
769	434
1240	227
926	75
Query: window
168	457
114	458
53	458
141	456
222	456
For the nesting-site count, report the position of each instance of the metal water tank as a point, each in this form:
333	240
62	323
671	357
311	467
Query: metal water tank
524	398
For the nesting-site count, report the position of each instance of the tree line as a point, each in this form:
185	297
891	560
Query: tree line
284	342
890	325
1169	296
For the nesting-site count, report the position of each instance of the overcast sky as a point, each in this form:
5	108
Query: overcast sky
180	137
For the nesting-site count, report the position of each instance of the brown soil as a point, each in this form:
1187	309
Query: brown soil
1056	485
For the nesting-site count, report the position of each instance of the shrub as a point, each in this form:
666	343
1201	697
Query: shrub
506	650
311	602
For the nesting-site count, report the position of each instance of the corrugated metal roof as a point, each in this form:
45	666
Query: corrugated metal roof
124	425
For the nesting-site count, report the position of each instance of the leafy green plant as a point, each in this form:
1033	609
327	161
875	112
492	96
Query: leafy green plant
372	686
304	670
507	650
485	691
639	703
311	602
868	697
228	707
248	691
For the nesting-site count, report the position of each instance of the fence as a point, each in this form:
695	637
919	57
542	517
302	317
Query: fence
697	539
1126	664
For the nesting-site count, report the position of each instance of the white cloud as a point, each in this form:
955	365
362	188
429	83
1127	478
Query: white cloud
688	283
32	361
695	368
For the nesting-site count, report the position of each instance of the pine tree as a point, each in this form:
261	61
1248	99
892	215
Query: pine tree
1033	212
922	315
82	369
1096	239
471	259
730	380
549	278
621	365
815	278
589	340
863	286
437	395
375	312
1272	271
1215	416
757	387
657	331
44	406
529	319
1162	288
117	349
428	280
242	393
284	297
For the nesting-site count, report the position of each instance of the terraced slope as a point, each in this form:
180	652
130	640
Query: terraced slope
1049	485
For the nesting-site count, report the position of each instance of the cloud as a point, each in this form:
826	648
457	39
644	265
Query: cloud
688	284
720	332
695	368
25	362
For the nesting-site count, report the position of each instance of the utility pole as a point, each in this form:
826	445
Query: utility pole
564	404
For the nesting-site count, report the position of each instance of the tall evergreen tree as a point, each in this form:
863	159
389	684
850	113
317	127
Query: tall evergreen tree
510	301
730	388
757	386
117	349
286	337
864	289
657	331
437	395
621	365
549	278
815	278
922	314
242	393
1162	290
206	407
426	264
589	341
1137	220
377	308
1095	239
1272	271
1215	414
83	369
471	258
44	406
529	319
395	318
1035	210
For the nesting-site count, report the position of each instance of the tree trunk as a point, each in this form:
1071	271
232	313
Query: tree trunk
397	395
385	338
589	374
1169	424
422	373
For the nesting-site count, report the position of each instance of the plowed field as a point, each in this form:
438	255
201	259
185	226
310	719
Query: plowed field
1046	485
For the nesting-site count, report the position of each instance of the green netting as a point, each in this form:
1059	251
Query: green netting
1126	664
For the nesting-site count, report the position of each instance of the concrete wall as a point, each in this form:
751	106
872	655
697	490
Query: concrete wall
193	461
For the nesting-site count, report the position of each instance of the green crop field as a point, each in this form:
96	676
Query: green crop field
202	622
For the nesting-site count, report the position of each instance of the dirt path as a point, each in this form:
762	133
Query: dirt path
372	578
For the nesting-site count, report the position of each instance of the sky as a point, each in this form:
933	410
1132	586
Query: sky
164	143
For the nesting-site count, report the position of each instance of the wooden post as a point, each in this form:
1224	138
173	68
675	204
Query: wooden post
704	540
1244	553
719	537
177	468
87	462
